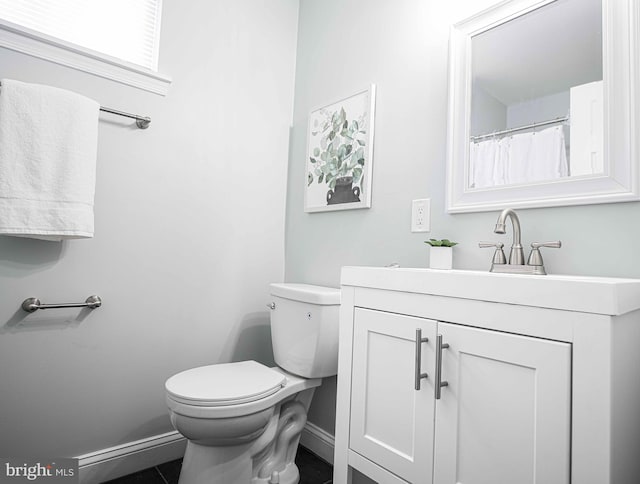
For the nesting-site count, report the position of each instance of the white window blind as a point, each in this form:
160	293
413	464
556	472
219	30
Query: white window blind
125	29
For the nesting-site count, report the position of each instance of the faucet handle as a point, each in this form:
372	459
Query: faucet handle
535	258
498	256
556	244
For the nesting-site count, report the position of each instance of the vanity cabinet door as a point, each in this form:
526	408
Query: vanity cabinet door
391	421
504	417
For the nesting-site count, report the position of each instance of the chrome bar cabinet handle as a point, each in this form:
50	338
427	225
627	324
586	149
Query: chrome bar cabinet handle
418	375
439	383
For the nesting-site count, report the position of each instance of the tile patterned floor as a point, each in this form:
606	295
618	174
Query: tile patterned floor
313	470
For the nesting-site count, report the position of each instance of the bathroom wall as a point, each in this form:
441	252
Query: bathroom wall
189	219
543	108
401	46
487	113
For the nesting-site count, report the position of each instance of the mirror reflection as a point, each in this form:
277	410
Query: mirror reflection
537	97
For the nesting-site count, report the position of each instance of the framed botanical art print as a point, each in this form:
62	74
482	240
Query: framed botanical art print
339	158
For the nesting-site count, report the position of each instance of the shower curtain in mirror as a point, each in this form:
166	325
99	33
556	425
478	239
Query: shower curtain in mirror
518	158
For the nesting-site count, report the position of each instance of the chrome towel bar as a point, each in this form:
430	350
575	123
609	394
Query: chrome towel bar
142	122
33	304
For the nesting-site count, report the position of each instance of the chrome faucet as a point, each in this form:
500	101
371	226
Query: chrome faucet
516	263
516	255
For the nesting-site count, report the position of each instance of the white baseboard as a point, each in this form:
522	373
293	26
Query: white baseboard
318	441
131	457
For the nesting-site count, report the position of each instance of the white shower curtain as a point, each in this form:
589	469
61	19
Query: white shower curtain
519	158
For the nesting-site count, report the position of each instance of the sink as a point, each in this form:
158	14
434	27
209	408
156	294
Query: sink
600	295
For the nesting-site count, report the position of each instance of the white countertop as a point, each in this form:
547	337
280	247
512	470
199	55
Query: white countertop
600	295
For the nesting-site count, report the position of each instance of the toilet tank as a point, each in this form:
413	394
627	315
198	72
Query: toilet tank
304	328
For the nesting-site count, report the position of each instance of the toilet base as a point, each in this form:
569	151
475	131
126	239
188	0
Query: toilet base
267	460
215	465
289	475
233	466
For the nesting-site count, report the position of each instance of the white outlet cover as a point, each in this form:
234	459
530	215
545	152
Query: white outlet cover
421	215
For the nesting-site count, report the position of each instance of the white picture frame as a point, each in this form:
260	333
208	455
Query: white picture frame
339	156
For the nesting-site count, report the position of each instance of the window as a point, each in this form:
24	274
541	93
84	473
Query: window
121	33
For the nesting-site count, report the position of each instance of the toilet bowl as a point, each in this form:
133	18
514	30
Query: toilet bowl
243	420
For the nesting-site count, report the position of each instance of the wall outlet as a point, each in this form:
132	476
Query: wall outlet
421	215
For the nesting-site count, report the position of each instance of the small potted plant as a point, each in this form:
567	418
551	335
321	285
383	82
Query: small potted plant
440	253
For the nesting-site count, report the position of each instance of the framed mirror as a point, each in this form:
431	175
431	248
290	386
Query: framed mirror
543	105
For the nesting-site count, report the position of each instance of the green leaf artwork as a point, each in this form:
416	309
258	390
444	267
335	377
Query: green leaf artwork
341	150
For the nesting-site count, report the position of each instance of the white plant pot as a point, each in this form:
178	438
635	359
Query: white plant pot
441	257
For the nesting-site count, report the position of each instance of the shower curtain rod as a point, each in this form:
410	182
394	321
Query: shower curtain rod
142	122
520	128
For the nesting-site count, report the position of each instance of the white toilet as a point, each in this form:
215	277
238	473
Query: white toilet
243	420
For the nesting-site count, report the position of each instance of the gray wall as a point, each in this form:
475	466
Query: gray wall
189	218
487	113
401	46
540	109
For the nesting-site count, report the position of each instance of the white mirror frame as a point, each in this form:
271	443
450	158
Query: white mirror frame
621	71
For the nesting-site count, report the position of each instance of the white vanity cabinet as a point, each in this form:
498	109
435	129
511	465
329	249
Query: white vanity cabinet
504	416
546	392
391	423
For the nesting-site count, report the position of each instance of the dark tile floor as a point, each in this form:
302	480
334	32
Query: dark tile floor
313	470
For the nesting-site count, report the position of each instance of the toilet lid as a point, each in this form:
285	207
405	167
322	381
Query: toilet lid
224	384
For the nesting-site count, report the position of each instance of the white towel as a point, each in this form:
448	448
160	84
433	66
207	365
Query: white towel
48	149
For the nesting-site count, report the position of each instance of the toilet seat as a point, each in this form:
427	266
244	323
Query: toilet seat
224	384
292	384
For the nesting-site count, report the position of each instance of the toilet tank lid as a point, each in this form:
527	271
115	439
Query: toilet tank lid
306	293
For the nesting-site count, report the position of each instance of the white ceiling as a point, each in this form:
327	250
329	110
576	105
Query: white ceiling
543	52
